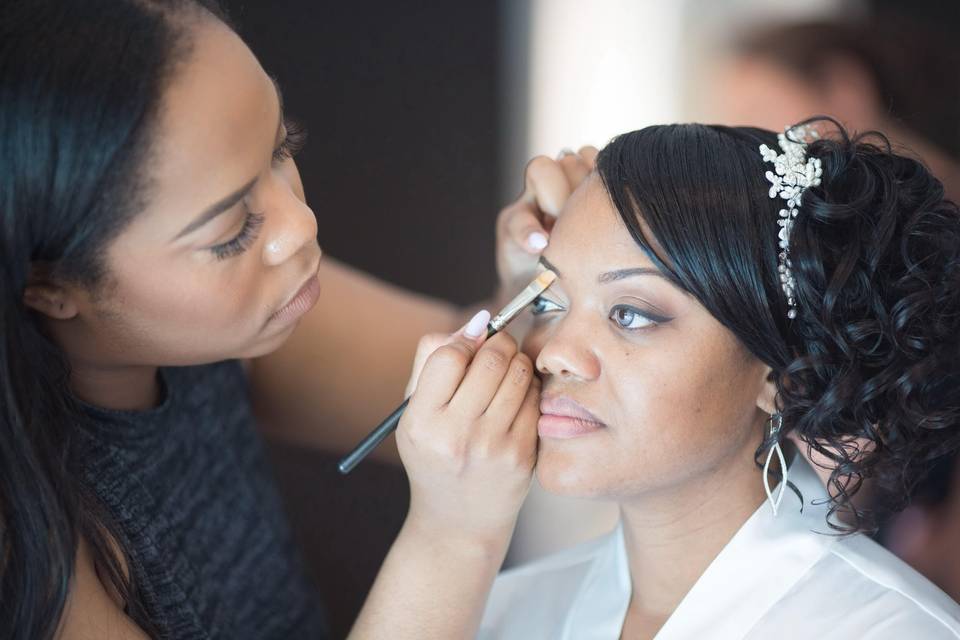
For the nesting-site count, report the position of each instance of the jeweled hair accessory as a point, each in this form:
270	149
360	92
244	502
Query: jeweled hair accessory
792	173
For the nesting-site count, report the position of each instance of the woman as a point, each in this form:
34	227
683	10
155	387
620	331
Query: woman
688	334
155	233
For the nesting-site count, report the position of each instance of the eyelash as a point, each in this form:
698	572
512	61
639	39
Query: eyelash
292	143
243	240
540	307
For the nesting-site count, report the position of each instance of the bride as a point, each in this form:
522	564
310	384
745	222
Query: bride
718	290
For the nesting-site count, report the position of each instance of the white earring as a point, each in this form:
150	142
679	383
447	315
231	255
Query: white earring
776	422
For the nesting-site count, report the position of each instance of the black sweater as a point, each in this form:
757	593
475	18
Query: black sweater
188	485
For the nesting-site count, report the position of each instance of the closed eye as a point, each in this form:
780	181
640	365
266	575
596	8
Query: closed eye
542	305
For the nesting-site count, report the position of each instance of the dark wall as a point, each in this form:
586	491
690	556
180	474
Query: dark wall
401	107
400	167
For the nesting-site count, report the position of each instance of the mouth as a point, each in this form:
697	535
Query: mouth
564	418
300	302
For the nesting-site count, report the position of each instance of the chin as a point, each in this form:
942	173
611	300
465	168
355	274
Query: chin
269	344
564	473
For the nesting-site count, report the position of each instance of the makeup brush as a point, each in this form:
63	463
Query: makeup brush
496	324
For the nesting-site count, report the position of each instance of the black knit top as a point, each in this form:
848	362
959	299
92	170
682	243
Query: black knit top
188	485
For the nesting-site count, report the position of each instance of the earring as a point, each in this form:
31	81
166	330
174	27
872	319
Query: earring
775	422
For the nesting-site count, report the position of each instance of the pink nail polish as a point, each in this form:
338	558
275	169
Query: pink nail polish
477	324
537	241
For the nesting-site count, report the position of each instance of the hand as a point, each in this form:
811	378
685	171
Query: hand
523	227
468	438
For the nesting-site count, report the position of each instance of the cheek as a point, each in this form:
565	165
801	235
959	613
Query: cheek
691	407
198	295
184	312
677	409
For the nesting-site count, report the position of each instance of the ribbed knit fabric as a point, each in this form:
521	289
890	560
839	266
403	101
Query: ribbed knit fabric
188	485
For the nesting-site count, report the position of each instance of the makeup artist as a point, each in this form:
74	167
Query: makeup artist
158	267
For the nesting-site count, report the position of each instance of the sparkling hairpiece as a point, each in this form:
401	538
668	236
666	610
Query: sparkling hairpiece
792	173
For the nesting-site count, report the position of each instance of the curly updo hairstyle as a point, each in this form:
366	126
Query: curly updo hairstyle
867	372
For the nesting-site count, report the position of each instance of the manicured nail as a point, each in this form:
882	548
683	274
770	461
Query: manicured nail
566	151
537	241
477	324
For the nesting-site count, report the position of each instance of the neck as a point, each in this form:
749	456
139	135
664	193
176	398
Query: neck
123	388
671	538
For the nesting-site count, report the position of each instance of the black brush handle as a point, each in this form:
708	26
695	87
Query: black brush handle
368	444
378	435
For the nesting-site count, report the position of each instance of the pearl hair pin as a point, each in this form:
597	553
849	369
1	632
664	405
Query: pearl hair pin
792	174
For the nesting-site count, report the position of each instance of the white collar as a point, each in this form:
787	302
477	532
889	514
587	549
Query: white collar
762	561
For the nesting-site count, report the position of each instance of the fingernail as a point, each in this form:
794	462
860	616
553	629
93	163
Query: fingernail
566	151
537	241
477	324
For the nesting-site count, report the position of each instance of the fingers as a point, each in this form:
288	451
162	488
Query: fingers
577	166
445	362
588	154
513	390
524	426
523	225
425	348
485	376
546	185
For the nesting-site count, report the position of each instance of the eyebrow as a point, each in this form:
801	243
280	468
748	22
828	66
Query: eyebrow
225	204
611	276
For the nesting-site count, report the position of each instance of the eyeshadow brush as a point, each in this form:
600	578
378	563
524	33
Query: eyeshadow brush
496	324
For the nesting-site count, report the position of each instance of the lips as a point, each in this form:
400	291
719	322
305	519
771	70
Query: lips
301	302
564	418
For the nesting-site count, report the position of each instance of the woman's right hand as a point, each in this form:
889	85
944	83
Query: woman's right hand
468	438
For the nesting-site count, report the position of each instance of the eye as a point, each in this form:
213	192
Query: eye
293	142
243	240
631	318
541	305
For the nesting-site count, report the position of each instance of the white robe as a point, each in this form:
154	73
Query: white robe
777	579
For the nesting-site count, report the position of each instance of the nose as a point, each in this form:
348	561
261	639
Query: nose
291	224
566	353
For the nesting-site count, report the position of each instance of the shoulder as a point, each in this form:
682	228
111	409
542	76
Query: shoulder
91	611
859	589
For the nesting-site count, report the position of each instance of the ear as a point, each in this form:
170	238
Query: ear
52	300
767	398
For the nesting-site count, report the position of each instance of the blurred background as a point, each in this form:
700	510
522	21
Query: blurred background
421	117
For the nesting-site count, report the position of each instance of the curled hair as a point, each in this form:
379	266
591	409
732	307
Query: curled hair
866	374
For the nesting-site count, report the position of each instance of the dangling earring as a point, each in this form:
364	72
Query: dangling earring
775	422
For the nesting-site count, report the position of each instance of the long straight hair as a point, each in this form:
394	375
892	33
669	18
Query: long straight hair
80	88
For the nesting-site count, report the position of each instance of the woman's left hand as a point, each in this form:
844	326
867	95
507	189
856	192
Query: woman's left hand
523	227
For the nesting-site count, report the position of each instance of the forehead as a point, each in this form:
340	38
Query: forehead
217	121
590	237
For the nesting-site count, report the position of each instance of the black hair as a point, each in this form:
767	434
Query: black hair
875	251
80	89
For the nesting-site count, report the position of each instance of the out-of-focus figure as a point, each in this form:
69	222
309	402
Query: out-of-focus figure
897	76
927	532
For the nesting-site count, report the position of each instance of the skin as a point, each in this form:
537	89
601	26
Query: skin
679	405
168	299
